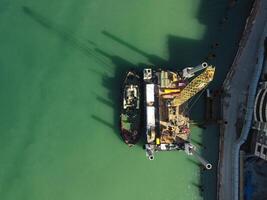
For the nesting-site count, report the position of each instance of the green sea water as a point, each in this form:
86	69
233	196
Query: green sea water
61	68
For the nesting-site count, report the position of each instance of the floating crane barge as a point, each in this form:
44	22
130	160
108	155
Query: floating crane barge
166	96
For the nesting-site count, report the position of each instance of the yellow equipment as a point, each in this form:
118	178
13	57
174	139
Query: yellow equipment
195	86
157	141
170	90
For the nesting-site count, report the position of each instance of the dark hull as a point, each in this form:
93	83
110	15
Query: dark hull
129	138
131	117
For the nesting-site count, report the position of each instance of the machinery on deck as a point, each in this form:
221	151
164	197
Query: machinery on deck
195	86
166	96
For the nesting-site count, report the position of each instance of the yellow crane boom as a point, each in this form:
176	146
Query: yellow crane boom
195	86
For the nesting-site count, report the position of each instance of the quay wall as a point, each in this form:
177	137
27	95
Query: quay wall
226	84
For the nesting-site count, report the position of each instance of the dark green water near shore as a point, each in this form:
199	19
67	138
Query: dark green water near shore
61	67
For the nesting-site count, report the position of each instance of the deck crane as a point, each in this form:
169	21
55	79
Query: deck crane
191	150
196	85
193	87
189	72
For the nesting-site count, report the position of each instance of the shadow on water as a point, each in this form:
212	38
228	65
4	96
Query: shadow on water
194	162
223	26
155	60
199	187
105	101
68	37
102	121
196	142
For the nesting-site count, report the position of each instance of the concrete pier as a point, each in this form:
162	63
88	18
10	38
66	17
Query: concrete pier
236	85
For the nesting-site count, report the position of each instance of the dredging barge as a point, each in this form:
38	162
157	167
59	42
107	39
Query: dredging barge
166	95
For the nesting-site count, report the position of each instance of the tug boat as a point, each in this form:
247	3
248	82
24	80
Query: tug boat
131	109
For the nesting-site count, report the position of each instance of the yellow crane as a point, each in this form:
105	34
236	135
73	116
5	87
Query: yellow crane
195	86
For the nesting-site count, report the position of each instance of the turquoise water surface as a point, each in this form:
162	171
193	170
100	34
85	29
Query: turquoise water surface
61	68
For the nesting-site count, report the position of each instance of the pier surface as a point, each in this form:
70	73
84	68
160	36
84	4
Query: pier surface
236	88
